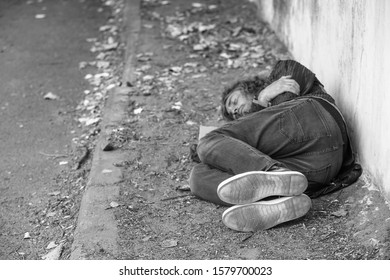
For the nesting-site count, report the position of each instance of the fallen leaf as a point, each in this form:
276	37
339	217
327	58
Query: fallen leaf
51	245
149	26
82	64
110	28
102	64
146	238
197	5
50	96
199	47
374	242
114	204
340	213
55	193
174	30
89	121
138	111
147	78
189	122
54	254
110	47
111	86
175	69
169	243
51	214
184	188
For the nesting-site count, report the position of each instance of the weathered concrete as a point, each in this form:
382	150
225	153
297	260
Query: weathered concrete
346	44
96	231
96	227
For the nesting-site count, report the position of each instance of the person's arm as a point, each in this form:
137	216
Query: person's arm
282	85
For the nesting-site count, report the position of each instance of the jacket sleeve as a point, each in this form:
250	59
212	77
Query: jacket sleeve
307	80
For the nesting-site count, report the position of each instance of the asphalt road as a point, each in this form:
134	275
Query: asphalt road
41	45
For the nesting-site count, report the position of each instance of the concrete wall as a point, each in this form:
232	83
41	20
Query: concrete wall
347	44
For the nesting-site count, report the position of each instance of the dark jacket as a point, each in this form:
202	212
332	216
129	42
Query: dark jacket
311	87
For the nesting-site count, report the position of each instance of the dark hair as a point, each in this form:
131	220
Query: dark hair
251	86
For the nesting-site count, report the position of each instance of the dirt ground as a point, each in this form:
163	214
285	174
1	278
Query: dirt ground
188	52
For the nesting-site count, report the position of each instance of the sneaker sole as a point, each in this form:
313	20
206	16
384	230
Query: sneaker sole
266	214
253	186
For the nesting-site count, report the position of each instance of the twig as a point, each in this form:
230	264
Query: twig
53	155
248	237
175	197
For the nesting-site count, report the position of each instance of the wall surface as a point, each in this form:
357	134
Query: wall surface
347	44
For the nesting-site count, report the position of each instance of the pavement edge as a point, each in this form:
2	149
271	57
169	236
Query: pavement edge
96	231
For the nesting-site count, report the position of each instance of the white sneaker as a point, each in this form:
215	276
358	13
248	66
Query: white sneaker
255	185
266	214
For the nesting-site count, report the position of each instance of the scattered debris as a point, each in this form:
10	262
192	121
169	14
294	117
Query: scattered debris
175	197
40	16
54	193
138	111
169	243
50	96
113	204
81	155
53	155
55	253
184	188
340	213
51	214
51	245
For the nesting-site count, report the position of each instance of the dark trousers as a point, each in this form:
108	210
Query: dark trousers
299	135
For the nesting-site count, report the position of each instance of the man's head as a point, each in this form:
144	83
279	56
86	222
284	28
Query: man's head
237	100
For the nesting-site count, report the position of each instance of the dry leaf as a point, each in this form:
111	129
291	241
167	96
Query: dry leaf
51	214
184	188
114	204
146	238
197	5
40	16
138	111
54	254
169	243
340	213
50	96
51	245
54	193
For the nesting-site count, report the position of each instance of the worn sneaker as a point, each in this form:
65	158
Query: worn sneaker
253	186
266	214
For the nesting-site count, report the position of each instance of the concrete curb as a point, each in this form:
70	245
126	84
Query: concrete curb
96	232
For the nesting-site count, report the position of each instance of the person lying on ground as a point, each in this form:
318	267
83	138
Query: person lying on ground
286	143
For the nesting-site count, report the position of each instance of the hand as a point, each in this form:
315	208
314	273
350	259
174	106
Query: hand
285	83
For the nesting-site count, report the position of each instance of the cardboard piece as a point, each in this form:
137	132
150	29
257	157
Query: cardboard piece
203	130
